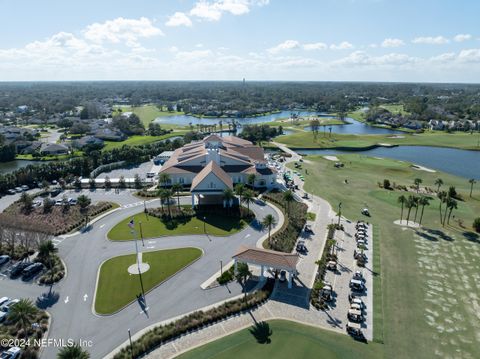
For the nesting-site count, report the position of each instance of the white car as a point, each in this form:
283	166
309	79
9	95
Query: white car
12	353
6	307
3	301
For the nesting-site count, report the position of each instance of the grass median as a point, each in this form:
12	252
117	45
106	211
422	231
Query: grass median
116	287
215	225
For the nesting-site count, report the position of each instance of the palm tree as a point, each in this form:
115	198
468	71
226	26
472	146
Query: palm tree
448	203
177	188
424	201
160	197
268	222
452	205
288	197
472	182
239	189
242	275
251	179
163	179
410	204
417	182
438	183
166	196
23	313
73	352
248	197
228	196
441	196
415	201
402	199
46	251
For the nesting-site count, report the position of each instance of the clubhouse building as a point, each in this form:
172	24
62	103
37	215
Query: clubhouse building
217	163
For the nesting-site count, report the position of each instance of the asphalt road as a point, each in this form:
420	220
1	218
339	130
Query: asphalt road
72	298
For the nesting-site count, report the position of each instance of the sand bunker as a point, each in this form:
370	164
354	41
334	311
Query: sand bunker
410	224
421	168
331	158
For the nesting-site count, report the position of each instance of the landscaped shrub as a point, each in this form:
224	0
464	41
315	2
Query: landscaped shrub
163	333
327	256
227	276
476	224
284	240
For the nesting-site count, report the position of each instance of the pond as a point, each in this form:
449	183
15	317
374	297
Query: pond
6	167
461	163
357	128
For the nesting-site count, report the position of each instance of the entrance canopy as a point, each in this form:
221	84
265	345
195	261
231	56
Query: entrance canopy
267	258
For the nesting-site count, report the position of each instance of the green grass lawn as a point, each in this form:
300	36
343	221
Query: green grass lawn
140	140
289	340
426	305
116	287
148	113
304	139
154	227
396	109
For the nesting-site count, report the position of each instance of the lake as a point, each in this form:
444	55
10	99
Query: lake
354	126
461	163
6	167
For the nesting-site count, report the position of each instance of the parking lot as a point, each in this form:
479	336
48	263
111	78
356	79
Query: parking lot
346	267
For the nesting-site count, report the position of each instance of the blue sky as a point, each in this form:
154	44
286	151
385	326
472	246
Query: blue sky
321	40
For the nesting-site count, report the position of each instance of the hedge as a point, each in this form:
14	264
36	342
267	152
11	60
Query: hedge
161	334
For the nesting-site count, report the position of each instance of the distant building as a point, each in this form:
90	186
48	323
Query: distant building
88	141
53	149
108	134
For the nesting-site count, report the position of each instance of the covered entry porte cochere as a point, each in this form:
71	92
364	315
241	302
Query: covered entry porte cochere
265	258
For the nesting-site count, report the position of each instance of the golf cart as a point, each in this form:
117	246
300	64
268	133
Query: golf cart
332	265
356	300
366	212
355	330
358	275
305	195
326	292
355	316
307	229
357	285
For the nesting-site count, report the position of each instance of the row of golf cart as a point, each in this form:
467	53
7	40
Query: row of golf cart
355	314
361	238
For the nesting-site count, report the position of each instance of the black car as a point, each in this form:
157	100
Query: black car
4	259
31	270
18	268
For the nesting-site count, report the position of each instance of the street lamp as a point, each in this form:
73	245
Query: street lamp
204	224
339	213
131	345
141	233
221	267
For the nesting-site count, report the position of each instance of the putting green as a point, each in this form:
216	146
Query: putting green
116	287
215	225
288	340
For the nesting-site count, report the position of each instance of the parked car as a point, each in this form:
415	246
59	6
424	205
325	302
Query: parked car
301	247
31	270
18	268
72	201
11	191
12	353
308	229
283	276
24	187
6	307
3	316
18	189
4	259
327	292
3	300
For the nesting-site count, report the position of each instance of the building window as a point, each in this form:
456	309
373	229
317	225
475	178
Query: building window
212	185
181	180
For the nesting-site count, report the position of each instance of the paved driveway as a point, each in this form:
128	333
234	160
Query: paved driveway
83	253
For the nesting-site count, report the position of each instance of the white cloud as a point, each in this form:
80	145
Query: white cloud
469	55
286	45
361	58
121	30
430	40
213	10
179	19
345	45
444	58
462	37
192	55
315	46
389	42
